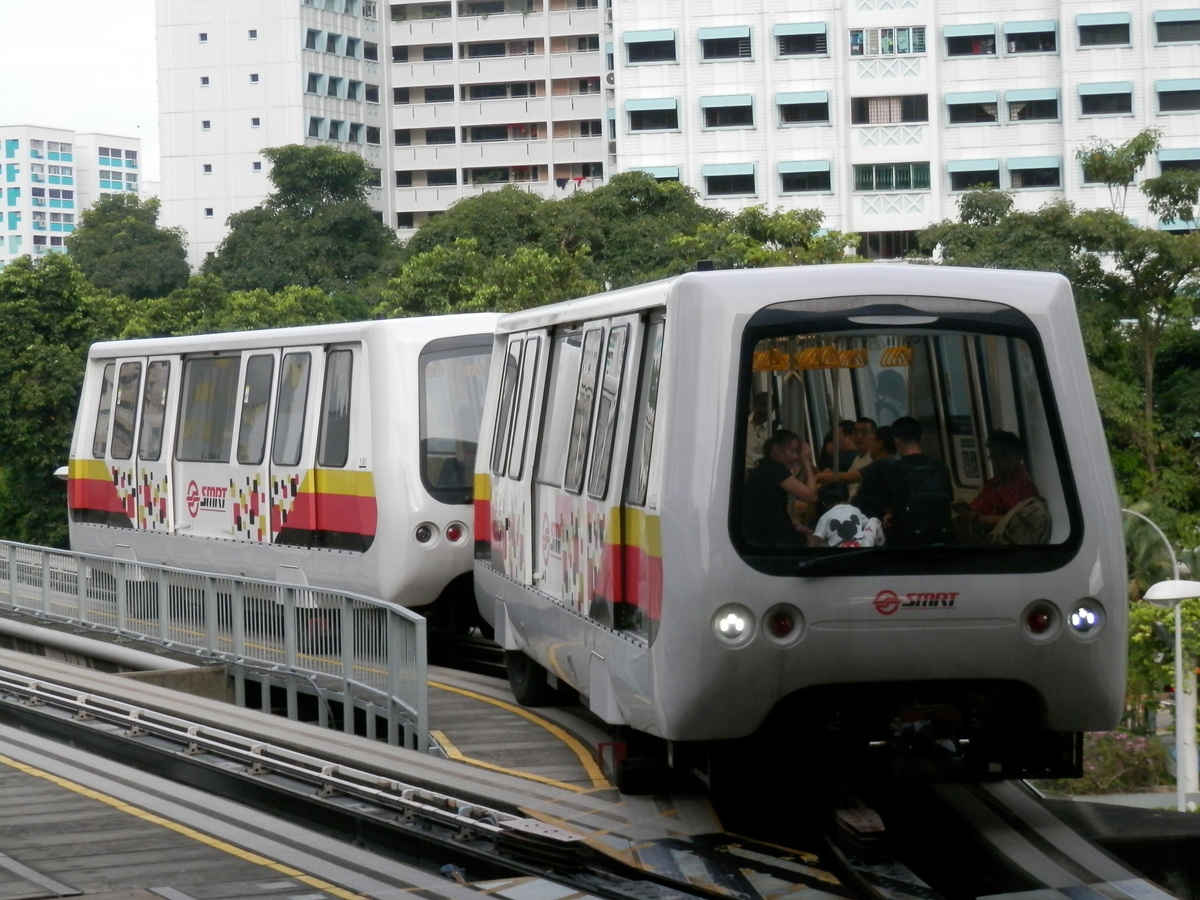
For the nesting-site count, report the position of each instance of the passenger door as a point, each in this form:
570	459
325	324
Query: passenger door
156	432
208	412
250	474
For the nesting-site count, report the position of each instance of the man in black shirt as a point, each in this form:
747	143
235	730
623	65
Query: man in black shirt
921	491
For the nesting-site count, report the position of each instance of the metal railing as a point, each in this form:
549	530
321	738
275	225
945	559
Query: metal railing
368	654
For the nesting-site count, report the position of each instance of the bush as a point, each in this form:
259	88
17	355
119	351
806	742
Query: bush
1116	762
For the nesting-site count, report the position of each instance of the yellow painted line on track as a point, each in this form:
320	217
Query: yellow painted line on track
590	768
186	831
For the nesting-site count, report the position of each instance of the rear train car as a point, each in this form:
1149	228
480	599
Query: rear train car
618	550
337	456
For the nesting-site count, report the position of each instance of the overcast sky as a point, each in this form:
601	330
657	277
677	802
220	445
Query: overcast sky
83	65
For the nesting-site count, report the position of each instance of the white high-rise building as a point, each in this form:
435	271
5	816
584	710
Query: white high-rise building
50	175
879	113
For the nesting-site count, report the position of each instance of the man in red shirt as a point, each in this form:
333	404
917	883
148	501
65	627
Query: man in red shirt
1010	484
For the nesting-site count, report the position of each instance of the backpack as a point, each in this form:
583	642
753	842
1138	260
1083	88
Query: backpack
921	511
1026	523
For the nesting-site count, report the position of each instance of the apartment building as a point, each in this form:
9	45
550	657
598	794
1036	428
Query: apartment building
879	113
50	176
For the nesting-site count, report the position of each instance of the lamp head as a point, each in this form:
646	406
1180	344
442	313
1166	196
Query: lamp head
1169	594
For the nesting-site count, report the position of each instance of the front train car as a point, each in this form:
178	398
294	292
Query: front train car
338	456
635	549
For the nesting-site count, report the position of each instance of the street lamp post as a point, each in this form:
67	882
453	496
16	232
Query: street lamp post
1170	595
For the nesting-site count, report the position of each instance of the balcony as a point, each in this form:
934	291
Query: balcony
493	112
576	22
503	68
423	74
506	153
581	149
578	106
501	27
428	156
425	115
424	31
577	65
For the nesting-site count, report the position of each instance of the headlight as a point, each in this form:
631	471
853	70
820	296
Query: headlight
733	625
1086	618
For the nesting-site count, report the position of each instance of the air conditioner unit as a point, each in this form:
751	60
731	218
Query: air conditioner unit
610	79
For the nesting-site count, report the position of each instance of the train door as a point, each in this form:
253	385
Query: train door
292	502
156	426
115	437
249	472
576	479
208	412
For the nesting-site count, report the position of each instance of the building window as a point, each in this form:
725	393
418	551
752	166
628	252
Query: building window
441	94
203	37
642	47
370	51
970	40
333	86
332	41
1177	26
801	40
1031	37
1039	105
442	52
1109	99
355	134
203	81
402	137
442	135
400	95
1037	172
805	178
725	43
652	115
803	109
374	134
256	166
969	175
352	47
311	39
1103	29
314	83
255	122
404	220
404	179
208	212
735	111
372	93
315	124
974	108
208	168
1180	160
889	110
254	78
399	54
1178	95
205	125
441	177
337	129
252	34
887	41
729	181
892	177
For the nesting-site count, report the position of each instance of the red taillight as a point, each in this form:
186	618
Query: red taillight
1039	621
781	624
454	533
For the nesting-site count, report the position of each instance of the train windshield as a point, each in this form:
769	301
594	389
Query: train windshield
454	374
910	437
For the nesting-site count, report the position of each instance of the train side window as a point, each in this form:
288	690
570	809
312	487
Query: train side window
129	384
209	405
508	392
516	460
256	399
154	405
333	444
289	414
103	412
647	406
581	421
606	418
560	401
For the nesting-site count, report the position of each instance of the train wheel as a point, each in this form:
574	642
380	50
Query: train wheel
529	681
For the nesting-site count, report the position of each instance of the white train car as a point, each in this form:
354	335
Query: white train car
618	550
337	456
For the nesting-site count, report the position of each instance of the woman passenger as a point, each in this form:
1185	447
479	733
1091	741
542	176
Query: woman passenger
770	489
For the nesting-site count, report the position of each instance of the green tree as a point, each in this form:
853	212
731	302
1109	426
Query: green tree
756	238
1117	166
314	230
459	278
49	315
119	247
497	221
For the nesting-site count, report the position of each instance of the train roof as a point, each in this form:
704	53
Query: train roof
411	330
752	289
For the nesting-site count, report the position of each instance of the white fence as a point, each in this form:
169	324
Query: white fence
364	654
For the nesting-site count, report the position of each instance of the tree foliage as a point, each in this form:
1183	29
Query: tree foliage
314	230
119	247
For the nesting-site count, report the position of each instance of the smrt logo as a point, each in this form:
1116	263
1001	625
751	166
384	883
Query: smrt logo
210	498
886	602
